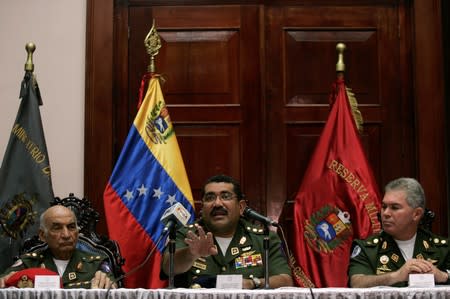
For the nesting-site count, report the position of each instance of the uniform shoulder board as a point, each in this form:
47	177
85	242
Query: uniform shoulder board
372	241
255	229
33	256
439	241
92	258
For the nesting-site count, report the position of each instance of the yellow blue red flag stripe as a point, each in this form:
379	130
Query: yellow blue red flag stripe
149	177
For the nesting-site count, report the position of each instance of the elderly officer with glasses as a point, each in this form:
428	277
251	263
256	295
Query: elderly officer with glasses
222	242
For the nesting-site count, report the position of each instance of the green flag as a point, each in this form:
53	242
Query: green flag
25	178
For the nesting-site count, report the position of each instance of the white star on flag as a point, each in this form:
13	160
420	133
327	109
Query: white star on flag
171	200
142	190
157	193
129	195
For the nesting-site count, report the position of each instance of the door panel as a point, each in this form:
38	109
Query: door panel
302	47
211	66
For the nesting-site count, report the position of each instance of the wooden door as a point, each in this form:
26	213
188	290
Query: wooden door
247	88
301	47
210	58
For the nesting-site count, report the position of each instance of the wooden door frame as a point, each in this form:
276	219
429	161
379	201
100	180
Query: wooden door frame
427	74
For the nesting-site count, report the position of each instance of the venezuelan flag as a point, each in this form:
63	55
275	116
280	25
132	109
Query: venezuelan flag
148	178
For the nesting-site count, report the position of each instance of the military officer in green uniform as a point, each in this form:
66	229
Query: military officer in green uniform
222	242
78	269
402	248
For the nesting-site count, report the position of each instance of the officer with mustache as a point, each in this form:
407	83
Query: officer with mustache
222	242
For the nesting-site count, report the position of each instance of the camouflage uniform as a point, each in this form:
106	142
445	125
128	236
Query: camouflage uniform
244	256
79	271
380	254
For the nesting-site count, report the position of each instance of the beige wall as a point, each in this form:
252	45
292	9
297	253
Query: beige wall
57	27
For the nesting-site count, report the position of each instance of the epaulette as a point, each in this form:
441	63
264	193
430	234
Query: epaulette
33	256
254	229
92	258
373	241
438	241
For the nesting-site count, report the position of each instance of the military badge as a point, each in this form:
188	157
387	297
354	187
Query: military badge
242	240
199	265
327	229
234	250
384	259
72	276
356	251
395	257
79	266
25	282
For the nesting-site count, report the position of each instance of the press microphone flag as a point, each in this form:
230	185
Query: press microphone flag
252	214
175	214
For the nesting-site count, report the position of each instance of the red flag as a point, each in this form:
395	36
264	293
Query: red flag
338	201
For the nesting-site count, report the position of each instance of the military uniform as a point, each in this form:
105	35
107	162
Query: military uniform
79	271
244	256
380	254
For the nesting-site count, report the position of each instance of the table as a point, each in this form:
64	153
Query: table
440	292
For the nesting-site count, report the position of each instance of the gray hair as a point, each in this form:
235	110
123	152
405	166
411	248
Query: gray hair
415	196
42	225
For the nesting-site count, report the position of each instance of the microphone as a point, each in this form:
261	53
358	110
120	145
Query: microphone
173	215
252	214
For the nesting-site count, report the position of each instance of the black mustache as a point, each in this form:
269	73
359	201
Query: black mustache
218	209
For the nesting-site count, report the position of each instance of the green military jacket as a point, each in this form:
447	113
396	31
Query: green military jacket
79	272
244	256
380	254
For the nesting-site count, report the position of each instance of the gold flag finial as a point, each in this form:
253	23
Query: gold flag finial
340	69
152	44
340	65
29	66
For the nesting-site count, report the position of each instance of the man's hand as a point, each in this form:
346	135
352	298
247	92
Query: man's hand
102	281
414	266
201	244
5	278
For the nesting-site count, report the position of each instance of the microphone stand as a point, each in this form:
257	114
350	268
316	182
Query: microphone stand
172	246
266	256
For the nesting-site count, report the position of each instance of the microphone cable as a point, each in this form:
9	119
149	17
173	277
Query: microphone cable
139	266
289	255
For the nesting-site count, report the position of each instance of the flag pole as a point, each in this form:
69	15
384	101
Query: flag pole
152	44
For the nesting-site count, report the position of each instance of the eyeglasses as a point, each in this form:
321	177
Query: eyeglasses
224	196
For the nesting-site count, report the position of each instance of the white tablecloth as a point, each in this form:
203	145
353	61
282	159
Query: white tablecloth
282	293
